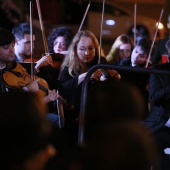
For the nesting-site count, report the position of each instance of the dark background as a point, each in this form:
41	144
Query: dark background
61	12
57	11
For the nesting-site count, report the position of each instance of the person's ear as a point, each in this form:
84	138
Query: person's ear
38	161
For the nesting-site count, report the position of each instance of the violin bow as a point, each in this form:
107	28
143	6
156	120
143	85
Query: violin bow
85	14
31	34
42	28
58	102
101	30
135	10
100	43
149	55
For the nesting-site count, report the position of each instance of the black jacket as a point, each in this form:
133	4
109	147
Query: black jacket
160	49
159	91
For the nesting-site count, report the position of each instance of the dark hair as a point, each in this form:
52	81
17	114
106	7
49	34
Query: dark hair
6	37
21	29
113	142
111	100
23	128
145	44
59	31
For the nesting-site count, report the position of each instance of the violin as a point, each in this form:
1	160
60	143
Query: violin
56	57
16	76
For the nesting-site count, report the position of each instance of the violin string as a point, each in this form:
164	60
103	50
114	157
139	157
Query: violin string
149	55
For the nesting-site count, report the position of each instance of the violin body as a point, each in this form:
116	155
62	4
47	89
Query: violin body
56	57
18	77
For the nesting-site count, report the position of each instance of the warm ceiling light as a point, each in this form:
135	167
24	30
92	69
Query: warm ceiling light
160	26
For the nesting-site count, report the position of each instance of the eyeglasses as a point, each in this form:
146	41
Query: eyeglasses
124	51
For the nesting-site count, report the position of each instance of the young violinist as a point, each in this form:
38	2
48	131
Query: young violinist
121	49
59	40
83	53
139	54
7	64
43	68
160	49
7	43
158	120
137	60
22	35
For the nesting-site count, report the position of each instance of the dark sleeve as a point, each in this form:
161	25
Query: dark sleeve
159	89
159	50
156	57
69	88
67	82
50	74
125	62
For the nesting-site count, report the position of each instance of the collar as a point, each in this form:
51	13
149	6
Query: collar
1	68
19	59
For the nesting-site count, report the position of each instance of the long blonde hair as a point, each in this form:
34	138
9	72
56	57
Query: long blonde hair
71	59
113	56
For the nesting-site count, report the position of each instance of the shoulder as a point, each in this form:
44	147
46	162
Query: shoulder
125	62
11	65
63	73
64	69
161	66
96	61
163	40
161	43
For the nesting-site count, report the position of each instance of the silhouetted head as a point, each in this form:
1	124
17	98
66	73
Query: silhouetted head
23	129
118	145
6	37
111	101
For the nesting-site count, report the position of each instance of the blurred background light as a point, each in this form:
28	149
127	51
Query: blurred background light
160	26
110	22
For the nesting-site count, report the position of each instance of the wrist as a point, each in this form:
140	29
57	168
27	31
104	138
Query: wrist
37	69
